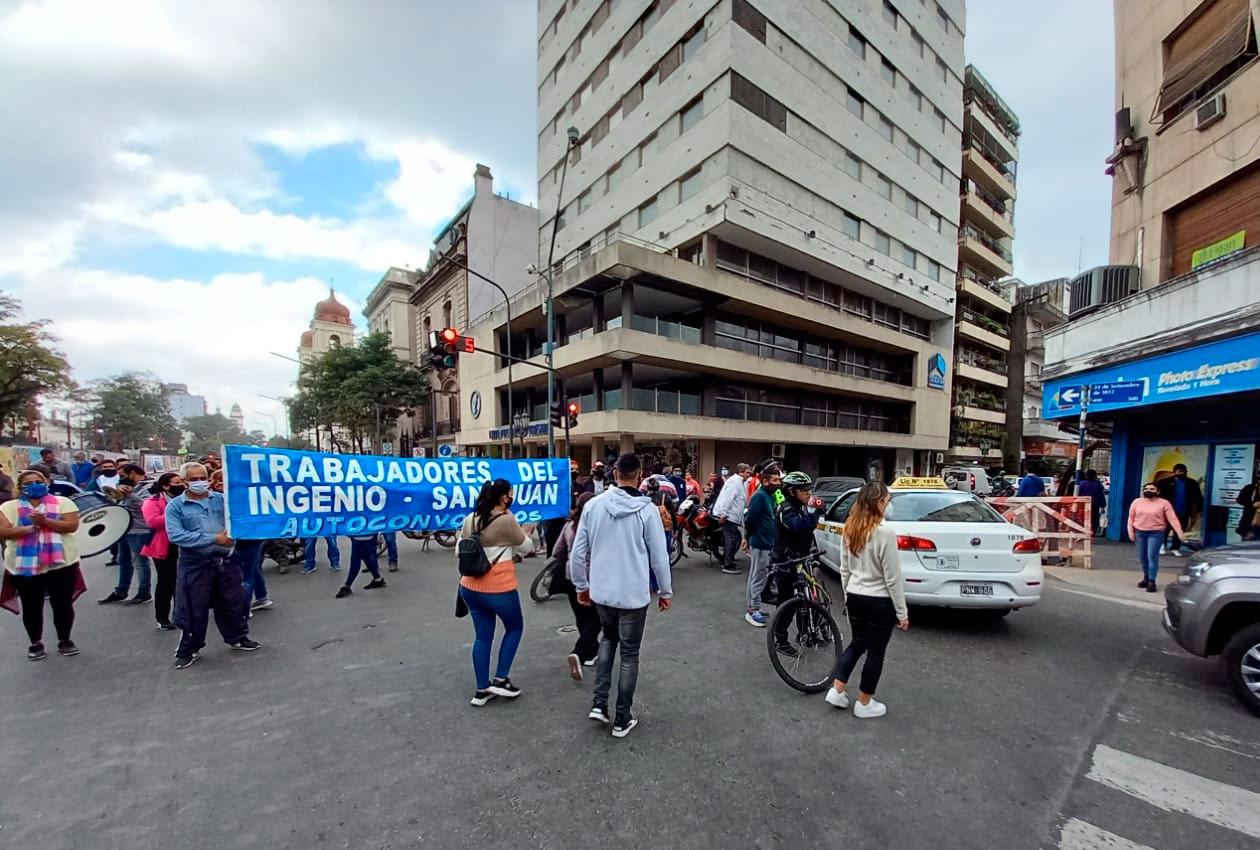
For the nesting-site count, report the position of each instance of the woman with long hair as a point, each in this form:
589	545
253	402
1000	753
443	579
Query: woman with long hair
160	549
870	572
493	596
586	616
41	559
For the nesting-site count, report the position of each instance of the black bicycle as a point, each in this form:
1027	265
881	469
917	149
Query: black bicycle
803	639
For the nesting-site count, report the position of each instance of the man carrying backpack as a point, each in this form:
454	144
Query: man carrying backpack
620	540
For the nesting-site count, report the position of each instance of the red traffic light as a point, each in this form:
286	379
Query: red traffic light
574	408
450	335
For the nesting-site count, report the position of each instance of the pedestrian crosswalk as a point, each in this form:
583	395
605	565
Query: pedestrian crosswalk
1166	790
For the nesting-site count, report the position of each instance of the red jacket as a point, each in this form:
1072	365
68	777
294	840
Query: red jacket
154	510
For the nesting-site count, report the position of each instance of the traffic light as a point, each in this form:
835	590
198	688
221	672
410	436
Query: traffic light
557	414
574	410
444	347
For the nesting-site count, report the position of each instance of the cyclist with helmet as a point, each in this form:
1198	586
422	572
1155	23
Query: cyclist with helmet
795	520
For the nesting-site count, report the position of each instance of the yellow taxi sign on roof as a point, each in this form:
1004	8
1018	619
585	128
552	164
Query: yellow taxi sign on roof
908	483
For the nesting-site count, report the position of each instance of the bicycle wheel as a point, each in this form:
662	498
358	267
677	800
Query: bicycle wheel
676	551
445	539
804	643
540	590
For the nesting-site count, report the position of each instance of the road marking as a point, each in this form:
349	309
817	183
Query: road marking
1132	603
1176	790
1079	835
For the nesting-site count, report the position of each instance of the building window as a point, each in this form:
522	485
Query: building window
938	170
647	150
647	213
758	102
912	150
908	255
890	14
938	224
750	19
916	97
693	41
940	117
689	184
446	315
920	46
911	205
632	99
1203	52
854	101
942	69
856	42
852	227
883	244
934	270
888	72
852	166
692	113
883	186
885	128
612	177
584	202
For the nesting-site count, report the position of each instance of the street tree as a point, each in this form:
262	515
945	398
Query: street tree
30	364
132	412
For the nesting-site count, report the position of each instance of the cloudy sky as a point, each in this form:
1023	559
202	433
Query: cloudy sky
181	180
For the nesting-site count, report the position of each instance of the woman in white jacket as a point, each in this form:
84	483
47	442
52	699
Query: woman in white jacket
870	571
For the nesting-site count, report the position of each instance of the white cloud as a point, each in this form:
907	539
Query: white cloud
215	335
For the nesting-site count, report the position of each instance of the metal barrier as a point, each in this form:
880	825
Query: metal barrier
1063	524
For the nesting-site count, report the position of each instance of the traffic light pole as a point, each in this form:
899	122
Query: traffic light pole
550	304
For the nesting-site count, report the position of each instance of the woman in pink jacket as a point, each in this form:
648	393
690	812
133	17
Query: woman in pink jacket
159	548
1150	517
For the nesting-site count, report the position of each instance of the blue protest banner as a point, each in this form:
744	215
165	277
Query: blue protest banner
282	493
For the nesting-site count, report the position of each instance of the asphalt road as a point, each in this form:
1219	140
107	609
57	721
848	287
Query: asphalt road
352	729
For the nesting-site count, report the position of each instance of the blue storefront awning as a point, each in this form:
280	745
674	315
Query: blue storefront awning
1216	368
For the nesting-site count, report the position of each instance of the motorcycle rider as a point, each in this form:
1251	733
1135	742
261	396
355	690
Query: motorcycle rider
795	521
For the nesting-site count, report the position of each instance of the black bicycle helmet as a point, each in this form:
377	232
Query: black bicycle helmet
797	481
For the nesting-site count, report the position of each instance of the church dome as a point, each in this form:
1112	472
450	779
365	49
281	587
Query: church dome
332	310
308	339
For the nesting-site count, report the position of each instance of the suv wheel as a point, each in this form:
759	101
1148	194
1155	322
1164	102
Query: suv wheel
1242	665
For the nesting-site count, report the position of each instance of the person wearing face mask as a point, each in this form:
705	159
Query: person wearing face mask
595	484
106	477
493	596
759	525
206	578
41	559
130	555
1151	518
163	553
796	517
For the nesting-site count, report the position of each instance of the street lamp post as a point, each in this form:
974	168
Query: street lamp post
288	425
573	139
520	424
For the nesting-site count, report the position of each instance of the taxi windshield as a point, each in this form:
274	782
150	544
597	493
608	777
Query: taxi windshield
942	506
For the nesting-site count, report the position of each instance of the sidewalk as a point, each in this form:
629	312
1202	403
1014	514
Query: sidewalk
1115	575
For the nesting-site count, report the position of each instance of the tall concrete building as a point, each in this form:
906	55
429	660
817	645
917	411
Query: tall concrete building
388	311
1171	331
182	404
1033	444
982	339
758	232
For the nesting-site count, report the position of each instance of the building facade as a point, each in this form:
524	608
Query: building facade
757	235
1033	444
330	327
1178	360
182	404
388	311
982	337
493	236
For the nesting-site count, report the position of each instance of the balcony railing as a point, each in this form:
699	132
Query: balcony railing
966	272
984	322
994	158
973	232
992	201
971	357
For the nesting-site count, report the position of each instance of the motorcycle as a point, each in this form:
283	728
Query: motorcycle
445	539
700	530
1000	485
285	552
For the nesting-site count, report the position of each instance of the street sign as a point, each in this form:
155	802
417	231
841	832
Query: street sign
1116	392
446	450
387	448
1068	397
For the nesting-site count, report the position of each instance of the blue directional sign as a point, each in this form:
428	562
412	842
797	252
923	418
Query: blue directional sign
1117	392
1067	397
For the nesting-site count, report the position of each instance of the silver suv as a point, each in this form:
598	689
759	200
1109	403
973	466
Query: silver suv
1214	609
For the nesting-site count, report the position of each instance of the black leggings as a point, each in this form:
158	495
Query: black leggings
872	619
165	590
58	586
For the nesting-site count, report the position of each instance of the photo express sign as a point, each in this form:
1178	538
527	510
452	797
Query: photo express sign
275	493
1217	368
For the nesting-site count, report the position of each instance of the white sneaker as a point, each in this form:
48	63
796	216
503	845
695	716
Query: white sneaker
837	698
1163	550
874	708
1176	553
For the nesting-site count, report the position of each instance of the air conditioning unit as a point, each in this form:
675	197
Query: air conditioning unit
1209	112
778	451
1099	287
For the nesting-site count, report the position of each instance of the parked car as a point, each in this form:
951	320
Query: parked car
969	479
1213	609
830	488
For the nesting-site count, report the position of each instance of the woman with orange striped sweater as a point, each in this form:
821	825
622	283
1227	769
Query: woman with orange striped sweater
493	596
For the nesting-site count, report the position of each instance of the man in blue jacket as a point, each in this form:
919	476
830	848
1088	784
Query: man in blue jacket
1031	486
622	535
759	541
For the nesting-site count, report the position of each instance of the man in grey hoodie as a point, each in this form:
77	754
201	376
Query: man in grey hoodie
619	539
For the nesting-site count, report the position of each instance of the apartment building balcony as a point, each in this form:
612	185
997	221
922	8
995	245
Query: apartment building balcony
982	289
983	252
979	414
982	375
988	212
987	168
979	328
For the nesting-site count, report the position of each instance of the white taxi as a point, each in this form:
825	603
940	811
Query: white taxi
956	551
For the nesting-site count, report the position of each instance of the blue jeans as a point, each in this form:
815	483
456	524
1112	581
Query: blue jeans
623	629
334	554
363	554
130	560
485	608
248	555
391	545
1148	544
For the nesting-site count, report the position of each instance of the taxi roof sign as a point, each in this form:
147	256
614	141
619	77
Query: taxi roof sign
909	483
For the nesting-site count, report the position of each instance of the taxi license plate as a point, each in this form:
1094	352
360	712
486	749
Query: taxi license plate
976	589
947	562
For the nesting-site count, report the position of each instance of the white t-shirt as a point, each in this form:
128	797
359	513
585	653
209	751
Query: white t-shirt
69	543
